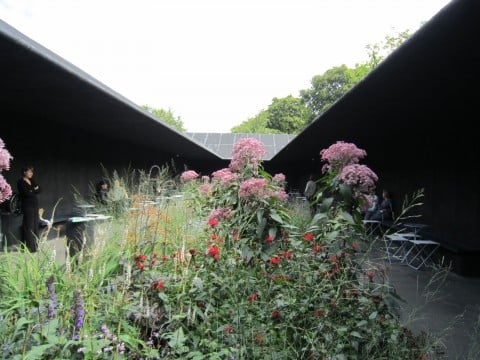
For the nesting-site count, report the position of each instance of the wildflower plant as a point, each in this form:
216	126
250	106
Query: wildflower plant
237	278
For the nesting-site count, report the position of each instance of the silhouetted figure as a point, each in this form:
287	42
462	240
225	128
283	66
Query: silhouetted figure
28	190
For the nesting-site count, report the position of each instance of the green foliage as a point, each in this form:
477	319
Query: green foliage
255	125
289	115
167	116
264	282
326	89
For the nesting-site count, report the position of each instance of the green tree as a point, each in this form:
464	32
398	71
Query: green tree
288	115
255	125
326	89
167	116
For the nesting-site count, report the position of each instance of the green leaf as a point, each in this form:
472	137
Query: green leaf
176	339
362	323
346	216
276	217
37	351
373	315
356	334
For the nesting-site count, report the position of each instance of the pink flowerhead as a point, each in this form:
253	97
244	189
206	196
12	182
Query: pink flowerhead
205	189
5	157
269	239
341	154
308	237
253	187
219	214
224	176
359	177
247	151
205	178
279	179
5	189
188	175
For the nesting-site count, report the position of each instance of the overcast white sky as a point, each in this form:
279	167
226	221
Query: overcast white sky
214	63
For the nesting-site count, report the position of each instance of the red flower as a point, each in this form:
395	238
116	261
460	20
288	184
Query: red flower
140	266
213	222
153	261
158	285
213	251
317	248
275	314
228	329
333	258
140	258
355	245
164	258
214	236
252	298
269	239
288	255
308	236
371	275
275	260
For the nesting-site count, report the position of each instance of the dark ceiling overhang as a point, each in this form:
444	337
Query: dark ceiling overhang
432	74
38	85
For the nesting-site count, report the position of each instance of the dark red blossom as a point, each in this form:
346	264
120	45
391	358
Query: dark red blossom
308	236
333	258
213	222
153	261
193	252
252	298
140	266
287	255
371	275
269	239
275	314
275	260
214	237
164	258
140	258
317	248
157	285
214	250
355	245
228	328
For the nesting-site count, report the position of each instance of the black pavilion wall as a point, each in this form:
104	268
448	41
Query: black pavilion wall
68	159
443	161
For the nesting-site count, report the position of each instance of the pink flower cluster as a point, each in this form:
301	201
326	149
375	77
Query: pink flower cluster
220	214
360	177
279	179
188	175
254	187
225	176
341	154
5	158
247	151
205	189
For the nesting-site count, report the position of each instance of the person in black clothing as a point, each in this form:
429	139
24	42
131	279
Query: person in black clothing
28	190
101	194
384	211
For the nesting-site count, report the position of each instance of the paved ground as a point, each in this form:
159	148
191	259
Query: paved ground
442	303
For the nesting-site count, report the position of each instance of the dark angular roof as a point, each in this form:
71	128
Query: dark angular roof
33	78
437	65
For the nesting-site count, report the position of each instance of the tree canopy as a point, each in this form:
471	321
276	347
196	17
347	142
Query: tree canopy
166	116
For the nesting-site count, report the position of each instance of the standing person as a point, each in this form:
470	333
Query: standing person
372	209
102	192
385	210
28	190
310	188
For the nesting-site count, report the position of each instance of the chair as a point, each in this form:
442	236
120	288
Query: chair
396	247
372	227
420	252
